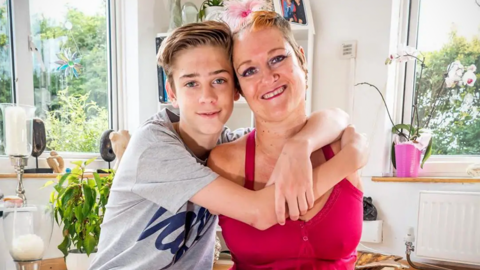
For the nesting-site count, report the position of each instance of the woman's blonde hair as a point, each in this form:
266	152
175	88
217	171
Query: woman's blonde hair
259	20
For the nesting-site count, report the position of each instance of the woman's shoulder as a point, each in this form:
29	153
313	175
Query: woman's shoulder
228	159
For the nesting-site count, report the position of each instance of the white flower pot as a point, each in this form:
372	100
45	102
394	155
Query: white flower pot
79	261
213	13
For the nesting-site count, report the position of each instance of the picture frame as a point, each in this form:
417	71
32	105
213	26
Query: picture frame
297	12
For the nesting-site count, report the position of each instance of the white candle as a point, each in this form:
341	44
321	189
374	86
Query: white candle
27	247
16	131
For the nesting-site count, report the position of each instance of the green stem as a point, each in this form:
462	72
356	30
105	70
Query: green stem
386	107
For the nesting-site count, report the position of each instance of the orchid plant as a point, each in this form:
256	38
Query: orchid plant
418	133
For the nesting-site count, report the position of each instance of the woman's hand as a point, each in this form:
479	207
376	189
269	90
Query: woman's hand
292	176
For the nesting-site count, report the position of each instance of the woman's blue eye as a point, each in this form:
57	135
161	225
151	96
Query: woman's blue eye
277	59
249	72
219	81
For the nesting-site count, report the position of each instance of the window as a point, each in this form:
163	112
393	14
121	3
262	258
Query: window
6	89
445	31
67	74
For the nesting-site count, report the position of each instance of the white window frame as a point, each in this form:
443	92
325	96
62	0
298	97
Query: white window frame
438	165
23	72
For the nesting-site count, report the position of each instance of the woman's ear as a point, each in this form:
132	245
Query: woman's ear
171	94
302	52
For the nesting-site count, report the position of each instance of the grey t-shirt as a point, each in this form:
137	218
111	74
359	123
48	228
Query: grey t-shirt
149	222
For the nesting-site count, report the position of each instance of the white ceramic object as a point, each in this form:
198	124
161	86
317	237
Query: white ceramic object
213	13
79	261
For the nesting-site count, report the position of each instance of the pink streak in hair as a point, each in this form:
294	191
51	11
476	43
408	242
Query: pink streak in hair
237	11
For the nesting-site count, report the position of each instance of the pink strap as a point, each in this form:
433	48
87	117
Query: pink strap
250	161
328	152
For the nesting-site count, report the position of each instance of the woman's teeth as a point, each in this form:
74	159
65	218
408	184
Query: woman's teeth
274	93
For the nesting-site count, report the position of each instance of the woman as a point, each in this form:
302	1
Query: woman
299	12
271	70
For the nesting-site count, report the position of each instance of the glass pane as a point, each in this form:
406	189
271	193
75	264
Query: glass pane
6	90
71	83
449	30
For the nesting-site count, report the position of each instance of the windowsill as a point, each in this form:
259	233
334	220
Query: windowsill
455	180
40	175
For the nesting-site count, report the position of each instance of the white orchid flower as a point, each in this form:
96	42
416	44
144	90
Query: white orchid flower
455	71
469	78
449	82
472	68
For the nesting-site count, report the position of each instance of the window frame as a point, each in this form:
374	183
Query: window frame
22	69
438	165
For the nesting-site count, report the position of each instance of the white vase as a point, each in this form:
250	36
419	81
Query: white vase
213	13
79	261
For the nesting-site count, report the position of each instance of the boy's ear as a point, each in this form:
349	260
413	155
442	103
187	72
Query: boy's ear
236	96
171	94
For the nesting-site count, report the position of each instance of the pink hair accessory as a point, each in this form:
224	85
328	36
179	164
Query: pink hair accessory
237	11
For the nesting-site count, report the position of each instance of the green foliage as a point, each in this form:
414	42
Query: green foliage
79	205
88	38
456	127
77	125
208	3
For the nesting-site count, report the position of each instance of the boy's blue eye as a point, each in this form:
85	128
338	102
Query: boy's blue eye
191	84
277	59
249	72
219	81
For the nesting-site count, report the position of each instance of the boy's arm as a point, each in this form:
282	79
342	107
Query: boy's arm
257	208
292	174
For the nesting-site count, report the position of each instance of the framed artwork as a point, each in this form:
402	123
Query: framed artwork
294	11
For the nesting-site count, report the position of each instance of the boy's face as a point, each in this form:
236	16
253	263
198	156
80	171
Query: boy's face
204	88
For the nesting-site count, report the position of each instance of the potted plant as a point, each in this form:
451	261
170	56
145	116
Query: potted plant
209	7
411	140
79	205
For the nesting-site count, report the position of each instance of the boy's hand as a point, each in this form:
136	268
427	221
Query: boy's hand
292	176
358	144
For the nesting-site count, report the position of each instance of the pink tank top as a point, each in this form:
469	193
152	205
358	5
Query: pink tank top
328	241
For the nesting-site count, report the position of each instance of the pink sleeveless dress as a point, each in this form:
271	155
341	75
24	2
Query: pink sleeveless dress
328	241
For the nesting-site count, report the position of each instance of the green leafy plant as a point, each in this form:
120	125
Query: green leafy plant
79	205
208	3
76	125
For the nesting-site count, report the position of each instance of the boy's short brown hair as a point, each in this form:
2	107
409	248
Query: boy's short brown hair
209	33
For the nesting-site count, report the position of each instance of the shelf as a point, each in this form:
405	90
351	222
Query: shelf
40	175
453	180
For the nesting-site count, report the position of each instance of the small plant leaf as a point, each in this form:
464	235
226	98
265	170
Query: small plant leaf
67	196
62	179
90	161
98	180
394	162
89	244
428	152
63	247
397	128
48	183
79	163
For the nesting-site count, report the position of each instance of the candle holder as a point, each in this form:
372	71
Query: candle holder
28	230
17	138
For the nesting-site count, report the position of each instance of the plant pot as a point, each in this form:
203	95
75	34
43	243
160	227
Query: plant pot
213	13
79	261
407	159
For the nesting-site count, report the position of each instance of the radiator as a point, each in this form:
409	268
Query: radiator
448	227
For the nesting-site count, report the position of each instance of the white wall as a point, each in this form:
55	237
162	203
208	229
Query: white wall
370	23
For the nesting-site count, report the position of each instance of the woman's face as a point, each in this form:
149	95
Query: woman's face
270	76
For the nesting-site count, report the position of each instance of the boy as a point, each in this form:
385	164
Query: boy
157	215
